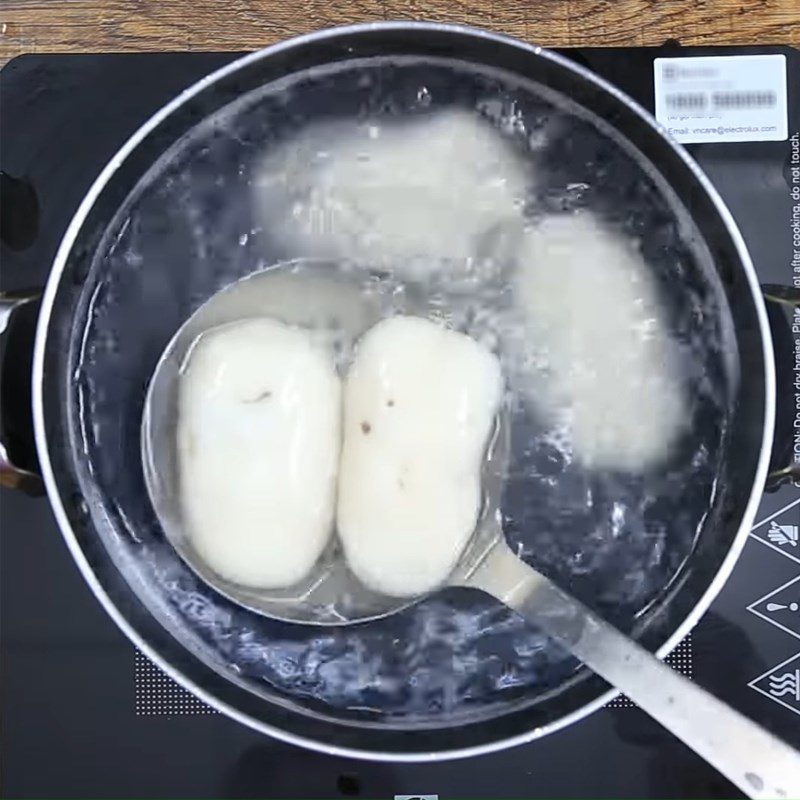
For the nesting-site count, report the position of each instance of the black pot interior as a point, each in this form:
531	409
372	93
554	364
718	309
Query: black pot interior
133	276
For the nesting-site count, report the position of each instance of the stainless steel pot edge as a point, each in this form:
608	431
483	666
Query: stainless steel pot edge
52	488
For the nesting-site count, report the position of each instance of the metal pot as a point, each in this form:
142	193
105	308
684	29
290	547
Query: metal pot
87	425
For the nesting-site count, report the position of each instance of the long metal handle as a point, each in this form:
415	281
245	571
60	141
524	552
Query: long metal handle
761	765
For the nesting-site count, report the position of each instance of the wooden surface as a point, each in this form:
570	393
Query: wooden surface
28	26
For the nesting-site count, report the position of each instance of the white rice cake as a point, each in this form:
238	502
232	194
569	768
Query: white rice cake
400	194
258	445
608	367
420	402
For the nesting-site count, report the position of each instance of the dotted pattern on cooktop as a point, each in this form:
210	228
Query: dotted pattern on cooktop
156	694
679	659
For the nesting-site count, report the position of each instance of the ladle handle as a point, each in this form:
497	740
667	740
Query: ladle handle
760	764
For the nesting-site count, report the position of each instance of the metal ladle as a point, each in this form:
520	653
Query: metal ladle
761	765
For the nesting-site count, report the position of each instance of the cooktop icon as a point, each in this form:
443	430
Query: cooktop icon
781	607
781	684
780	531
788	683
783	534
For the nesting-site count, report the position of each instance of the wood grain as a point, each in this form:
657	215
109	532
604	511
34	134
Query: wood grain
28	26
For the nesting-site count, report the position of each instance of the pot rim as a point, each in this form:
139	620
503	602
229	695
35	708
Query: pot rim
50	482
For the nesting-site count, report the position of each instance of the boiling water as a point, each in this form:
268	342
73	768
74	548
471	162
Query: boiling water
616	539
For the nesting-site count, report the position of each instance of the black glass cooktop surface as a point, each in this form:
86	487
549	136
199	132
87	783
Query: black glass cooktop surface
82	714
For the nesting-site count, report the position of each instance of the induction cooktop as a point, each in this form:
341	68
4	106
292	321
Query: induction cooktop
83	714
